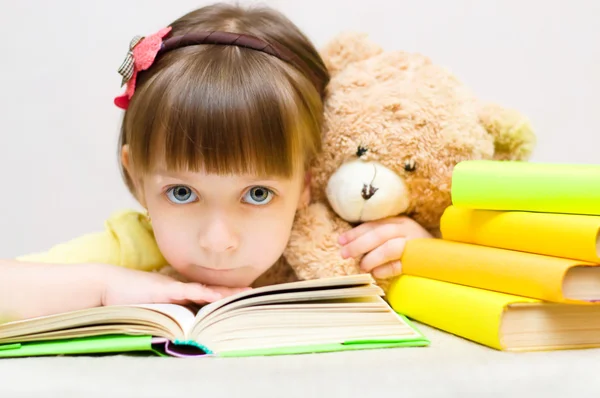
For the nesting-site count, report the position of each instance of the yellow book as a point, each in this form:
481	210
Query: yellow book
501	321
561	235
524	274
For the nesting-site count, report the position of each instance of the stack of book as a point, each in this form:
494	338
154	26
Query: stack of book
518	265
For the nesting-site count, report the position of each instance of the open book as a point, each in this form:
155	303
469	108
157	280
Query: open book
332	314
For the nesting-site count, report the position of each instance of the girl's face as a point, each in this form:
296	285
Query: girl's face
222	230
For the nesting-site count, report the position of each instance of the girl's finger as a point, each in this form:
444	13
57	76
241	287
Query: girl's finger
356	232
371	240
390	250
362	229
181	292
391	269
199	293
229	291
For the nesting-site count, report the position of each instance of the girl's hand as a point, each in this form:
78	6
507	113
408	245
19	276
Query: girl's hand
127	286
383	243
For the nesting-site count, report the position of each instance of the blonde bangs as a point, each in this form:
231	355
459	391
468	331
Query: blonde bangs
224	110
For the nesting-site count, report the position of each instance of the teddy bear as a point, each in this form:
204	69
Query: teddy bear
395	125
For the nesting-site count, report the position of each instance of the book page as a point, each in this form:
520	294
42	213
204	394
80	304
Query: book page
356	305
289	297
550	326
320	284
161	318
284	325
184	316
89	331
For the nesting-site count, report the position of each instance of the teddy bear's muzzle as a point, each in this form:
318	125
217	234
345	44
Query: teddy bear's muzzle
362	191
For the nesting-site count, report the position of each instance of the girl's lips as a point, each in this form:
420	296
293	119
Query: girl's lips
215	269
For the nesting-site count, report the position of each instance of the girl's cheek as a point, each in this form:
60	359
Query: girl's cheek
173	247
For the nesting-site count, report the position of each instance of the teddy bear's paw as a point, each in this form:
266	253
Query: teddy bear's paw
313	250
326	269
384	283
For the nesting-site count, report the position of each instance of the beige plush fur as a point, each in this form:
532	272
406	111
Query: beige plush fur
413	120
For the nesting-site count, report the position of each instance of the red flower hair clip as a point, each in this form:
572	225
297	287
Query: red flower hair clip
141	55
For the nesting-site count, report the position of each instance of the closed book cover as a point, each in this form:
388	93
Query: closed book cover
498	320
571	236
524	274
468	312
108	344
527	186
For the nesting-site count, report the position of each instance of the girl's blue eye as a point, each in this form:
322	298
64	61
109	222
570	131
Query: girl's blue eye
181	194
258	196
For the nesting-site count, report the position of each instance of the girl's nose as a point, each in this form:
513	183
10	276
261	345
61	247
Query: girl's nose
218	237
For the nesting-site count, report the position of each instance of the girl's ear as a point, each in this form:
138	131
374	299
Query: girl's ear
305	194
129	169
125	161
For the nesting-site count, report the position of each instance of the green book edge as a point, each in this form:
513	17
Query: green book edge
121	344
419	341
324	348
109	344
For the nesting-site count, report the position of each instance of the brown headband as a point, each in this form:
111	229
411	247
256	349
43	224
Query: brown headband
241	40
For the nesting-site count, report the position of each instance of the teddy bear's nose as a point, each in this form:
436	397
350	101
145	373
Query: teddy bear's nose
368	191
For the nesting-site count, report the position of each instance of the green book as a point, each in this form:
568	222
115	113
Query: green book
332	314
527	186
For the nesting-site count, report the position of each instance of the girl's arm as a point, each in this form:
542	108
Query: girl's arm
32	289
28	289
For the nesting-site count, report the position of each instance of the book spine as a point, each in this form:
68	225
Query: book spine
560	235
468	312
527	186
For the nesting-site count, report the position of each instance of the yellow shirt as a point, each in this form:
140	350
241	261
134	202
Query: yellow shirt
127	241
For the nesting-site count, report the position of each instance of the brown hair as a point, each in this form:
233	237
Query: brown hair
227	109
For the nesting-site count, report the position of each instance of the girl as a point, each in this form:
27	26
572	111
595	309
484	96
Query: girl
223	117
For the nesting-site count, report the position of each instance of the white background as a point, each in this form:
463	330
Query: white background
58	78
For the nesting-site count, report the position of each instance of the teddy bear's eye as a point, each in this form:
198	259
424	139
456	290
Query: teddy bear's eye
361	151
410	165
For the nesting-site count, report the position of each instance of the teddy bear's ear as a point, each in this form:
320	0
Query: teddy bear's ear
346	48
514	138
